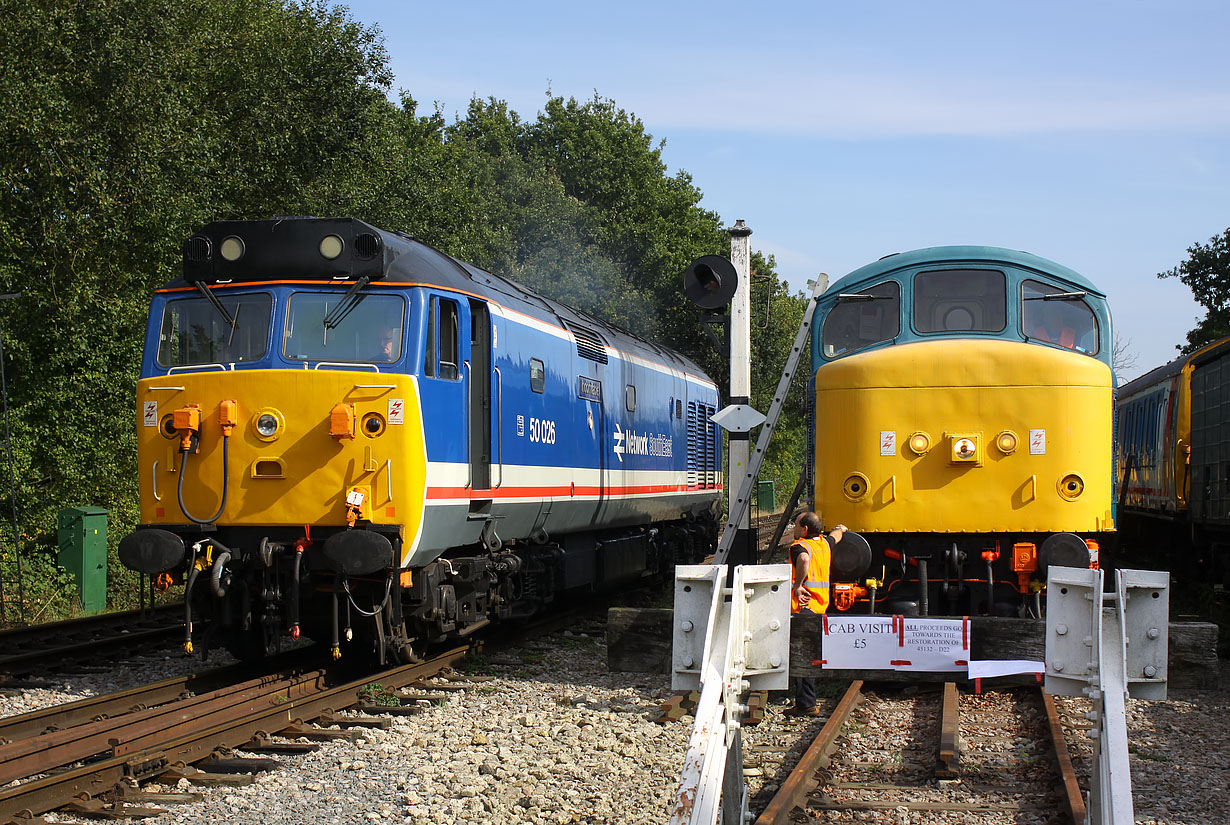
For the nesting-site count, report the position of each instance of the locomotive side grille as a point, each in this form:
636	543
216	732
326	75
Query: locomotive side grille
589	343
710	445
693	446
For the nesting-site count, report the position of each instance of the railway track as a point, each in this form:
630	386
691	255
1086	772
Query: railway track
934	756
91	756
37	649
97	752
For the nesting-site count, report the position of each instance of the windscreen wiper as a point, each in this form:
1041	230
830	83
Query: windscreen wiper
213	299
1058	296
861	296
348	303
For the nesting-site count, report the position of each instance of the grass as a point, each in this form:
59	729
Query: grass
374	693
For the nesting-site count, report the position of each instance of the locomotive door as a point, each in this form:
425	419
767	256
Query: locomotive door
604	461
479	401
593	443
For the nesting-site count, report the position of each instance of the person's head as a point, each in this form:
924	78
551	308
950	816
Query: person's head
388	342
807	526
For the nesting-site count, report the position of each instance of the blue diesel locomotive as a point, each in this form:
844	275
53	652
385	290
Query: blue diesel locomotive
341	423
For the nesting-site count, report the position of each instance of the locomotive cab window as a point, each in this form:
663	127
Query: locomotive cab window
960	300
630	398
442	351
194	331
861	319
538	375
1054	316
324	326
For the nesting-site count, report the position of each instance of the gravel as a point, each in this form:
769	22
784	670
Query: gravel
556	738
134	671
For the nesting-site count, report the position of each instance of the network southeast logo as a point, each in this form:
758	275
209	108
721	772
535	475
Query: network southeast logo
630	442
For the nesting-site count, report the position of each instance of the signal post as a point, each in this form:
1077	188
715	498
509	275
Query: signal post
743	551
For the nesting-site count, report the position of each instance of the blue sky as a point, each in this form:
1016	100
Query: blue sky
1094	134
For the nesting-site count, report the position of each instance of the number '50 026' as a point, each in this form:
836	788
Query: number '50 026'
542	430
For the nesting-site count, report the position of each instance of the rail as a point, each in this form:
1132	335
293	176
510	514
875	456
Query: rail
998	774
57	645
159	741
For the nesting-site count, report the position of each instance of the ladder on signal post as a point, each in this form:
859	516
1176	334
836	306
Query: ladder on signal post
739	505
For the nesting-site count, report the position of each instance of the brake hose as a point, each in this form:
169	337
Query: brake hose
183	466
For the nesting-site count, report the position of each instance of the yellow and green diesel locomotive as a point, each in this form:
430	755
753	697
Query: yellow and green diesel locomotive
962	425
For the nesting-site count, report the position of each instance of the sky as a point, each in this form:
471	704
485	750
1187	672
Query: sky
1094	134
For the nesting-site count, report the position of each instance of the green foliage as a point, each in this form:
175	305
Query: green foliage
776	315
1206	272
374	693
129	123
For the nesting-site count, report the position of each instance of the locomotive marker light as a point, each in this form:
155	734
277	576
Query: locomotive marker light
1071	486
267	424
232	248
331	246
855	486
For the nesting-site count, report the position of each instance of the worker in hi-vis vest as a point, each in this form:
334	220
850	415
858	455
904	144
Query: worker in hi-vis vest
810	556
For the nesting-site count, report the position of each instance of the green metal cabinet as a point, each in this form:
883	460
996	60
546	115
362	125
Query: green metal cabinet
766	496
83	552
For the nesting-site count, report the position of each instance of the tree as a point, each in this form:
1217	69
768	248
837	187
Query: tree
1121	355
127	124
1206	272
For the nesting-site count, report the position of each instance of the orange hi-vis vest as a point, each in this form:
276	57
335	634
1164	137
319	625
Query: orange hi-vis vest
817	582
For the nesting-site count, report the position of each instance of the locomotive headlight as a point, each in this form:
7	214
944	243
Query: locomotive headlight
373	424
232	248
919	443
1006	442
331	246
964	449
1071	486
268	424
855	486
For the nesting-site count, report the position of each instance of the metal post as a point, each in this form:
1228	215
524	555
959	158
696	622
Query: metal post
1108	646
743	551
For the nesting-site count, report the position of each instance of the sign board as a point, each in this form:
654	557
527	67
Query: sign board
895	643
